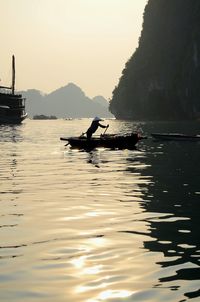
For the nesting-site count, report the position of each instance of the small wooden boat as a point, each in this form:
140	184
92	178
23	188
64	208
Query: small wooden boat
113	141
175	137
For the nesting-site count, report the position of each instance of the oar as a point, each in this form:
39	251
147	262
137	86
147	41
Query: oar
83	133
105	130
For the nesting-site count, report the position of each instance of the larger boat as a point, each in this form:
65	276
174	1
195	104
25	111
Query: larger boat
12	106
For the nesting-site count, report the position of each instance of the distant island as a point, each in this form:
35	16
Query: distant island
44	117
161	79
66	102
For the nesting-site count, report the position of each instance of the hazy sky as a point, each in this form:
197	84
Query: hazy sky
55	42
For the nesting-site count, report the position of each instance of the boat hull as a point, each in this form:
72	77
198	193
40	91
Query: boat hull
12	108
12	120
175	137
105	141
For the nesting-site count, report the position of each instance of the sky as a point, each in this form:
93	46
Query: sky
56	42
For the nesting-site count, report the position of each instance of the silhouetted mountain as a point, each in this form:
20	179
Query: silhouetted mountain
161	79
68	101
100	100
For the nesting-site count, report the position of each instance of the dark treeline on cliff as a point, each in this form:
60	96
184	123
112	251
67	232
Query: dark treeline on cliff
162	78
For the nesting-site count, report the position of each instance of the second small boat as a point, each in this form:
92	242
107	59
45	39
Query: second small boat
176	137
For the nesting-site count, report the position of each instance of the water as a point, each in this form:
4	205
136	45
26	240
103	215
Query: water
98	226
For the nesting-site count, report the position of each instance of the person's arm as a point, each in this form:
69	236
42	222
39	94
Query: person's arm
102	126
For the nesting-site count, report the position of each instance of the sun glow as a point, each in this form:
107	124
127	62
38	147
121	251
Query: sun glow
86	42
111	294
79	262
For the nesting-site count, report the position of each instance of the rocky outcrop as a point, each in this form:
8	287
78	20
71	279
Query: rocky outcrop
162	78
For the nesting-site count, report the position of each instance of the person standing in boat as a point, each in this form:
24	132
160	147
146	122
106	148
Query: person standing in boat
94	126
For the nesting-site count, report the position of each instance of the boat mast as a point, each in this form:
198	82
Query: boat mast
13	74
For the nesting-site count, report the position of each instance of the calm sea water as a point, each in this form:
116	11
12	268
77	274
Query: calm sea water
98	226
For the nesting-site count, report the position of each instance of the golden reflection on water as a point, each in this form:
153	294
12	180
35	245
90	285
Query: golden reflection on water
92	270
79	262
109	294
78	226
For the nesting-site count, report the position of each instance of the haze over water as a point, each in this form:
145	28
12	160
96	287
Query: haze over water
106	225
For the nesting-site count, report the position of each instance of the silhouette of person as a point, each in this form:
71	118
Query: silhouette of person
94	126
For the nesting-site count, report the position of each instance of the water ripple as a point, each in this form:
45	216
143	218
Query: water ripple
105	225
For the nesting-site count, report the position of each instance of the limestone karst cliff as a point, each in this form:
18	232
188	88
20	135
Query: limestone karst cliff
162	78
